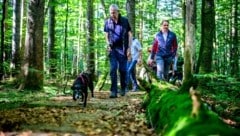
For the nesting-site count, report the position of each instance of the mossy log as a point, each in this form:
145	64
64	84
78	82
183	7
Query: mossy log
174	113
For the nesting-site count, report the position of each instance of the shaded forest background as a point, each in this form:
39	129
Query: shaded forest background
53	40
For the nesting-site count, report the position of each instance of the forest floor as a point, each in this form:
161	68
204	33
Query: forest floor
48	113
60	115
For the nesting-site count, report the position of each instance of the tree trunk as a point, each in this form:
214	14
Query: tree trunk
90	39
234	48
189	49
4	14
141	25
15	62
52	56
65	55
104	8
32	67
208	32
130	6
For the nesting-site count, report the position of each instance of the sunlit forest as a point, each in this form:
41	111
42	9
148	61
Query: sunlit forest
46	44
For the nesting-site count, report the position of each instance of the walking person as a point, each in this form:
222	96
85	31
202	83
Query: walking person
164	48
134	58
118	37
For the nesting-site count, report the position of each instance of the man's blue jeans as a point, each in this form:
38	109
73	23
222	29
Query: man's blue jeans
117	62
131	73
163	66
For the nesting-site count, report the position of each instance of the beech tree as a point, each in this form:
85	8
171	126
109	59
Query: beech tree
189	48
32	66
51	52
90	38
207	39
16	38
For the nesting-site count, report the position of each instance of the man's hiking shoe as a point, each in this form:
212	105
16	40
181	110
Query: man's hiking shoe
123	92
113	96
135	89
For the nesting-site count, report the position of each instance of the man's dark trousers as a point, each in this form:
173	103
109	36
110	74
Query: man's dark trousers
118	61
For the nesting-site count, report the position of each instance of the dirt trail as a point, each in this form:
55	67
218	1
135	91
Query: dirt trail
103	116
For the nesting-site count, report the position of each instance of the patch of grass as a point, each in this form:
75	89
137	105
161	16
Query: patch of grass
12	98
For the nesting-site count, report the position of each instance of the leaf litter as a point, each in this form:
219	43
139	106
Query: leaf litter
103	116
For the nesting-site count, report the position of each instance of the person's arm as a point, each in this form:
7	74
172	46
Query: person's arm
154	49
174	46
129	45
140	52
129	39
106	30
106	38
107	42
140	57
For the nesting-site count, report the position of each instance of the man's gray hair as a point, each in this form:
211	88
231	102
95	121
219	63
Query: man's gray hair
114	7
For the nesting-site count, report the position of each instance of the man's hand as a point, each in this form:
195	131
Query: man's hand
108	49
129	53
139	62
150	62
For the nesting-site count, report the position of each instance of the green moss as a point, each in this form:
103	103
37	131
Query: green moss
209	126
169	113
167	107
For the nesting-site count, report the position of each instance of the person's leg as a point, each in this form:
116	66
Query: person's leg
128	79
160	68
167	64
133	75
113	74
175	63
123	73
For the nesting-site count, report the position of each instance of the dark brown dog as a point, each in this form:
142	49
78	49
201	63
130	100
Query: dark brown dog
80	87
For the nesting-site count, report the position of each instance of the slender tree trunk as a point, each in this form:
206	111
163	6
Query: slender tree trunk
81	44
184	20
208	32
189	49
141	20
104	8
23	25
4	14
130	6
90	39
32	67
15	62
234	49
65	50
52	56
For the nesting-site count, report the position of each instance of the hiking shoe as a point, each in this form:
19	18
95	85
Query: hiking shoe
113	96
135	89
123	92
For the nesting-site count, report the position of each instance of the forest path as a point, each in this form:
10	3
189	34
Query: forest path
103	116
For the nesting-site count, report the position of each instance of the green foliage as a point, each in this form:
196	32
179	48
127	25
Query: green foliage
11	98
